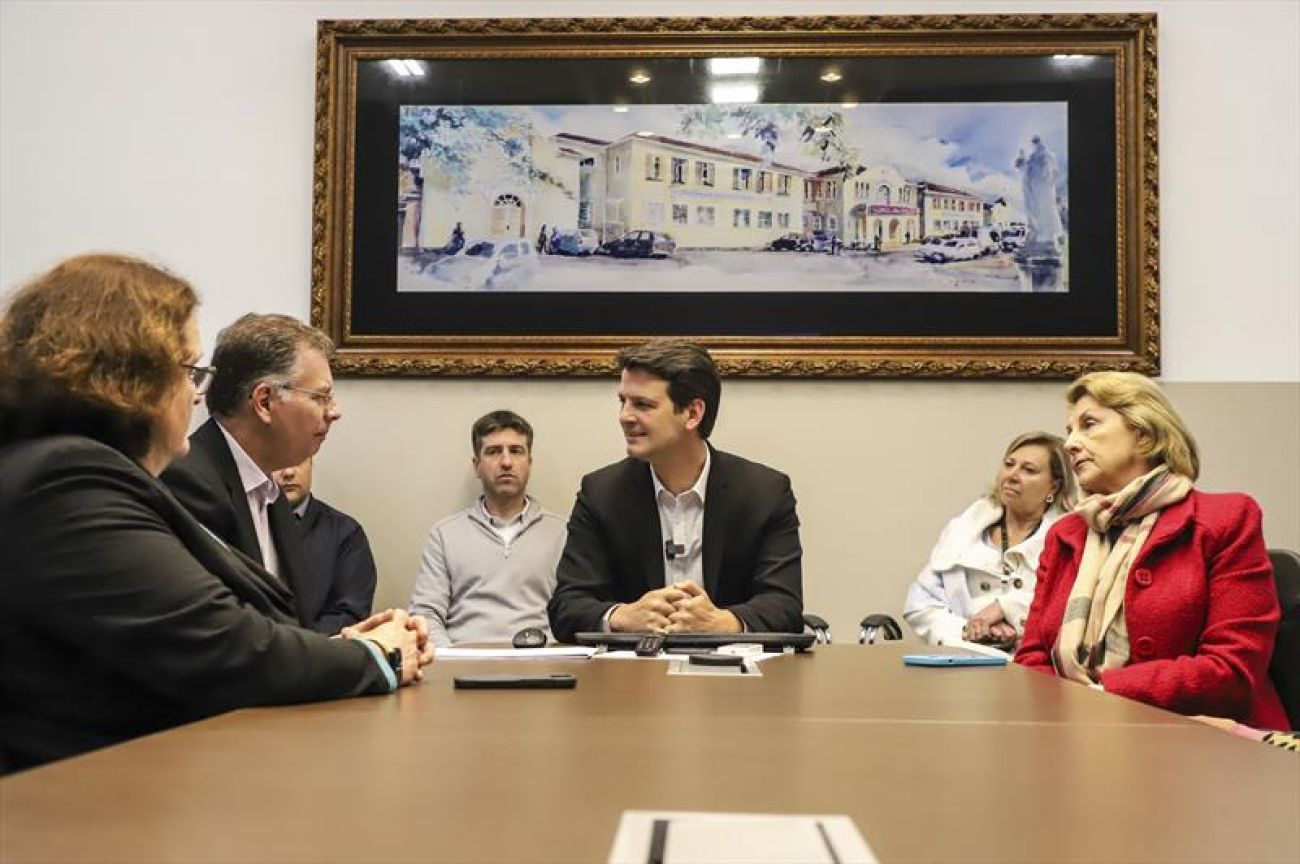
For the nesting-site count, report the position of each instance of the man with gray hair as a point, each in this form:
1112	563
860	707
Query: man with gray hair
271	403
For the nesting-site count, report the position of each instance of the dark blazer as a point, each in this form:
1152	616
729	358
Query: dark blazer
339	558
614	552
122	615
207	482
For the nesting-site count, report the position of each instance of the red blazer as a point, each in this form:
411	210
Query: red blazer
1200	604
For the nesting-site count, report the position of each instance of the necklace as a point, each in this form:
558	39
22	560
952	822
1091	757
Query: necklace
1007	569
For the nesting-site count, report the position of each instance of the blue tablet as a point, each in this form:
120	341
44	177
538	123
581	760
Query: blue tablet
953	660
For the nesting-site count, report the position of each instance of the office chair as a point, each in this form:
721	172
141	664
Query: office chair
1284	668
878	624
820	628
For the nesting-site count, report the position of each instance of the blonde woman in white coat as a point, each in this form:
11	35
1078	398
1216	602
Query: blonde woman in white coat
979	580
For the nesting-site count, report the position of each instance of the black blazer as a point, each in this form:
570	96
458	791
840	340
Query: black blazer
339	558
207	482
122	615
614	552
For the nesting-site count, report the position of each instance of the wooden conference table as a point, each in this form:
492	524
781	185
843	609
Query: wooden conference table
972	764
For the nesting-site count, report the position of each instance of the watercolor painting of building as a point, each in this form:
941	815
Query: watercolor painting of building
851	191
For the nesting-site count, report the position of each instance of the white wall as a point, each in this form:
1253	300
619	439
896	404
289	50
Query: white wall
183	131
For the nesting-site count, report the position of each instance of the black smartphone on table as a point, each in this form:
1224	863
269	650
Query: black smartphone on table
515	682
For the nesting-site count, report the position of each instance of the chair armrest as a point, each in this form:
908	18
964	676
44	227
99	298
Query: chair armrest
879	624
820	628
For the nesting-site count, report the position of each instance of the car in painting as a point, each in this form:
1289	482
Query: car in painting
929	245
790	243
576	243
494	262
820	240
1012	238
640	244
956	249
990	240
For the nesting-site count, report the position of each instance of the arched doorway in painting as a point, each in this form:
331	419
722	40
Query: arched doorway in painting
508	216
858	221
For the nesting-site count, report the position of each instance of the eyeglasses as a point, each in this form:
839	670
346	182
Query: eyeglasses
324	398
200	376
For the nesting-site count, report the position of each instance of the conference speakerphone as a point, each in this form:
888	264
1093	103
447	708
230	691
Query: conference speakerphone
772	643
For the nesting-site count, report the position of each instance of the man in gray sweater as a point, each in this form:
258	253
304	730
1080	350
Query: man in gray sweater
488	571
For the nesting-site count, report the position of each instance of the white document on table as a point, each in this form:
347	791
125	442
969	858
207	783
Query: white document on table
678	837
559	652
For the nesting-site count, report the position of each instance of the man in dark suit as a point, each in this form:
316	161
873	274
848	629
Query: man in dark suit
271	404
338	554
678	537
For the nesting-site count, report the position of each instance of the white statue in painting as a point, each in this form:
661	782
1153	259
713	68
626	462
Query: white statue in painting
1038	176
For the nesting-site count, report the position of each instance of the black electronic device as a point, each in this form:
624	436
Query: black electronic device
529	637
717	660
649	645
773	643
515	682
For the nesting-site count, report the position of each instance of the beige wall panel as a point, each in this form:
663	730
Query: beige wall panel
878	467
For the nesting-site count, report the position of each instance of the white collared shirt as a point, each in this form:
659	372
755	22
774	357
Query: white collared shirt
506	529
261	492
681	519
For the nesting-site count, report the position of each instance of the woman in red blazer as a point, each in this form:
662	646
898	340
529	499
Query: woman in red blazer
1152	589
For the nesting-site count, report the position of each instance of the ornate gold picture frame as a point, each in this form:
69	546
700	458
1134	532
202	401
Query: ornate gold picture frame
895	196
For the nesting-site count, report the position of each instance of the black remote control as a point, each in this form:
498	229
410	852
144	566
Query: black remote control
649	645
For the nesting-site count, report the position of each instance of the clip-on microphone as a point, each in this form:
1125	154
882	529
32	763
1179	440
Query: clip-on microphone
672	550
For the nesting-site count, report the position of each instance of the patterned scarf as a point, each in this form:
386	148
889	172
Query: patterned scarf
1094	636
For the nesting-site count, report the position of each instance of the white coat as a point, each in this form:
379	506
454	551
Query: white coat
964	575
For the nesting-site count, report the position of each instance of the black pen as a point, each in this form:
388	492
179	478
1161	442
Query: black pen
658	842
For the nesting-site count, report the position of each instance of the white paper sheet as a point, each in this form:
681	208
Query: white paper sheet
739	838
560	652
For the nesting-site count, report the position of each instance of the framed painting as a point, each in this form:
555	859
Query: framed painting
895	196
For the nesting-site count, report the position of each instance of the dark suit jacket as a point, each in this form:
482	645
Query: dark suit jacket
339	558
207	482
614	552
122	615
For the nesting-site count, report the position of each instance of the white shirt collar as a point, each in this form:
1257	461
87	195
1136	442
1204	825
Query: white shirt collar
701	482
250	475
502	523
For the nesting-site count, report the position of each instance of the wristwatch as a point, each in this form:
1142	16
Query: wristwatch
393	657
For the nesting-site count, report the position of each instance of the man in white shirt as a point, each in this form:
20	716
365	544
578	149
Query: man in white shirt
679	536
487	571
271	403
